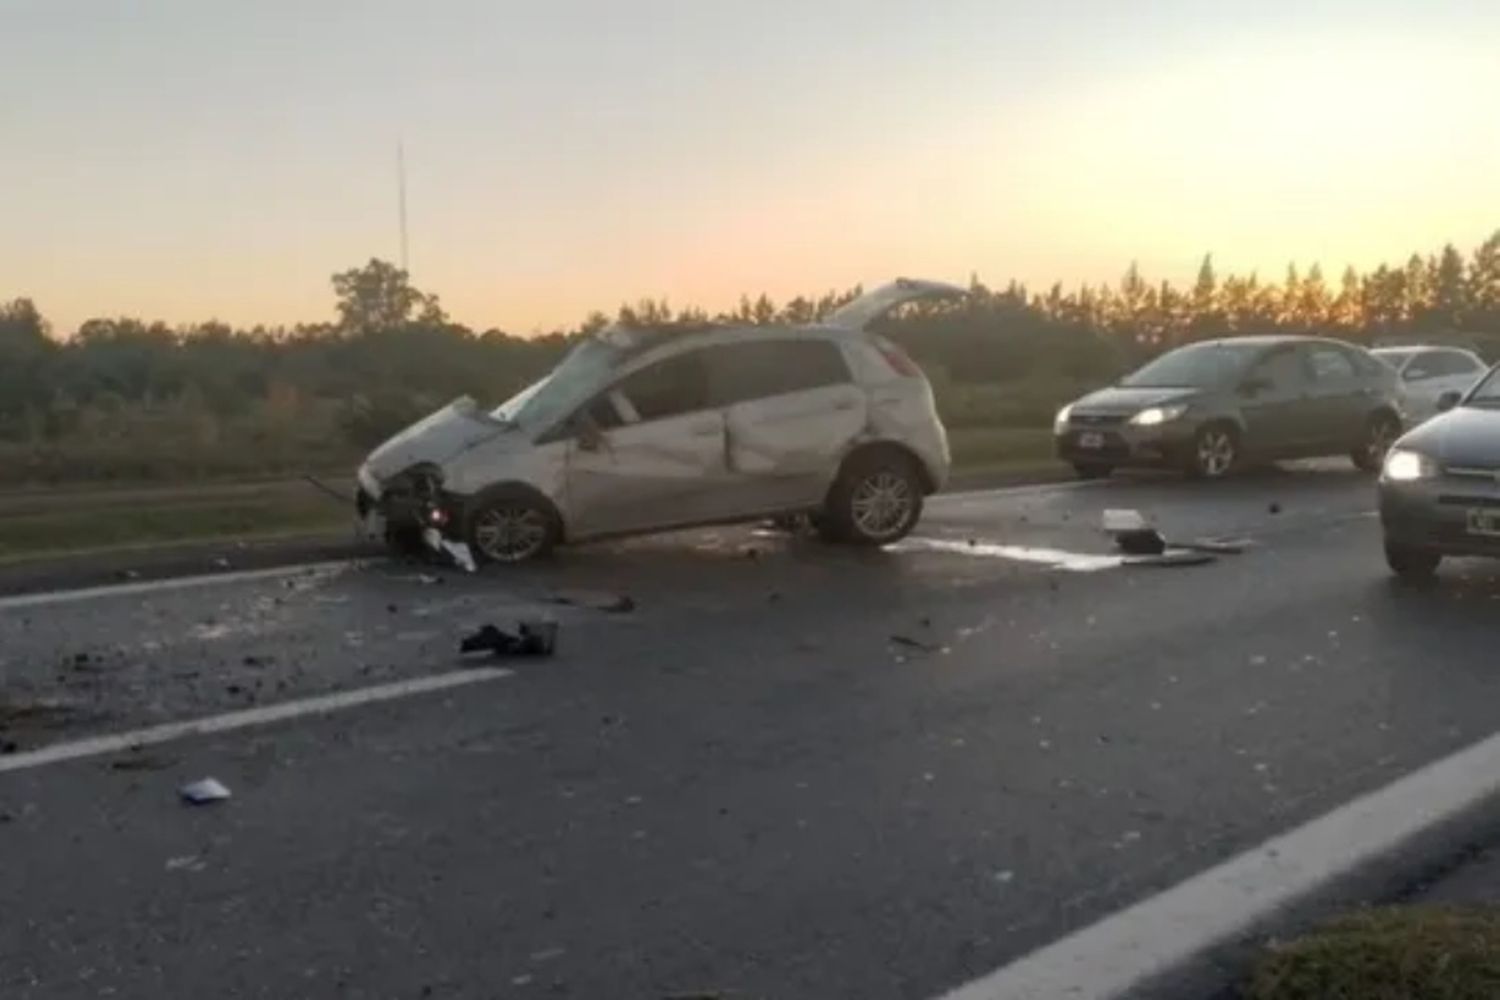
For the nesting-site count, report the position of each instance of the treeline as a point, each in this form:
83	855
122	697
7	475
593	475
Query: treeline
126	398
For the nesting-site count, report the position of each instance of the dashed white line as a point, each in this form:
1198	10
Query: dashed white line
94	746
170	583
1219	906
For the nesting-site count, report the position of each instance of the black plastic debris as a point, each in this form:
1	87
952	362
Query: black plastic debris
912	643
531	638
8	747
1274	508
203	792
1176	557
139	761
1133	534
617	604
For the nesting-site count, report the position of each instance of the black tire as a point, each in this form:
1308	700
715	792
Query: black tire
511	526
1093	470
1381	432
876	499
1412	563
1215	452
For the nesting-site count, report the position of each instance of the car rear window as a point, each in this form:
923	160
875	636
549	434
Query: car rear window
764	368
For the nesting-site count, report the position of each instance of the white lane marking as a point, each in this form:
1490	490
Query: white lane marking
265	715
1222	904
170	583
1024	489
1076	562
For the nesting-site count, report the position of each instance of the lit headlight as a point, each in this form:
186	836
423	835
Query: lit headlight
1153	415
1060	422
1403	466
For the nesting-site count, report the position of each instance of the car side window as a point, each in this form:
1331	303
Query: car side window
764	368
1444	363
1422	367
673	386
1283	370
1331	364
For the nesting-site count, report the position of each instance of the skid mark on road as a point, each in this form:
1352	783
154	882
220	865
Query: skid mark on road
228	722
1075	562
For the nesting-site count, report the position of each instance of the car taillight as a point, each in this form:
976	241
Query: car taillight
900	362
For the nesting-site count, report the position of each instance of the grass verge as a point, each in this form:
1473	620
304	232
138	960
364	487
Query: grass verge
1399	953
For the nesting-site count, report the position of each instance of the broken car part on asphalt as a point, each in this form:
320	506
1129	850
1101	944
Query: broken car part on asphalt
531	638
204	791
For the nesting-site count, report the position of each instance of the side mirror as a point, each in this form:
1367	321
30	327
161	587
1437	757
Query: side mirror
1254	385
1448	400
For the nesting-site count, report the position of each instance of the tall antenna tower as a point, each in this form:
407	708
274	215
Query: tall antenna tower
401	199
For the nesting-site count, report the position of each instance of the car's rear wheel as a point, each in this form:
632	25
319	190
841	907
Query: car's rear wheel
1216	449
876	499
1093	470
1380	433
1411	563
512	527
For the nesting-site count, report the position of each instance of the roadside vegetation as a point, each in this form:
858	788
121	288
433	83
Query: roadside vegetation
125	400
1415	953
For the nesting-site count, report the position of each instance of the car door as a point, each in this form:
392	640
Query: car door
1340	399
791	411
1457	371
648	452
1274	404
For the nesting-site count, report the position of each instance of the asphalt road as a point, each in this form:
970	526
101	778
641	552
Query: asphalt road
744	787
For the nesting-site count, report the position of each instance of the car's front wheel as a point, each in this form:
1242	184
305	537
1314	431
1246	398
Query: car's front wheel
1411	563
1216	449
876	499
512	526
1380	433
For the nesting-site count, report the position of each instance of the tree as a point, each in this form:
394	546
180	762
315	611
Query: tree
1313	302
1347	312
1484	282
379	296
1448	290
1208	315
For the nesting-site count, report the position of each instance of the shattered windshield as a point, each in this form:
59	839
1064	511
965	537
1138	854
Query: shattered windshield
1199	366
543	402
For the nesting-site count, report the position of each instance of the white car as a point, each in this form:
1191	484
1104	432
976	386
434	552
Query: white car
649	430
1427	373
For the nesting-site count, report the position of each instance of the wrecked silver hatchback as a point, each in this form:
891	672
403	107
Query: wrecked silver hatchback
639	431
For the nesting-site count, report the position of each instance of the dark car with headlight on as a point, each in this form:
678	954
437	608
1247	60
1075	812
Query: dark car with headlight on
1207	407
1440	488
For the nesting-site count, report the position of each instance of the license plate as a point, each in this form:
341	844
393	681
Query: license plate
1484	521
1091	439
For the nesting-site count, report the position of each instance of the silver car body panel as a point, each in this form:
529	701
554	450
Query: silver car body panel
861	311
762	456
1420	397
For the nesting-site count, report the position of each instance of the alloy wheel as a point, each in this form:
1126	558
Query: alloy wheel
1215	452
510	533
882	503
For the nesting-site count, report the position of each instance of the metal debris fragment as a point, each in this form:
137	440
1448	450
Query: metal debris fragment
531	638
204	791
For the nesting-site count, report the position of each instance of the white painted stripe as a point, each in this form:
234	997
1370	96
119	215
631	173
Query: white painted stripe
230	721
1000	492
1220	905
170	583
1076	562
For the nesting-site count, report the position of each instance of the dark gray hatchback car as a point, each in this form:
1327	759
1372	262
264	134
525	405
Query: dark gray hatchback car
1206	407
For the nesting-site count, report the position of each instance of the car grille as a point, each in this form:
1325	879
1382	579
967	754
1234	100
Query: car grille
1096	419
1472	472
1114	448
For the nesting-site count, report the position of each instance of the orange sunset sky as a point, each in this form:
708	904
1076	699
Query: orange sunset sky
187	159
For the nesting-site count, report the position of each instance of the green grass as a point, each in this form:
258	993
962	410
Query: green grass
35	525
1411	953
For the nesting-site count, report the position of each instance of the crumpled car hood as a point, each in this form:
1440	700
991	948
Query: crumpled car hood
434	439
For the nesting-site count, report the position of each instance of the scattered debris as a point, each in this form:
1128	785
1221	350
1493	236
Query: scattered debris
461	556
532	638
1133	533
1175	557
256	661
204	791
220	563
617	604
1217	546
1274	508
391	609
188	862
920	644
8	747
129	574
